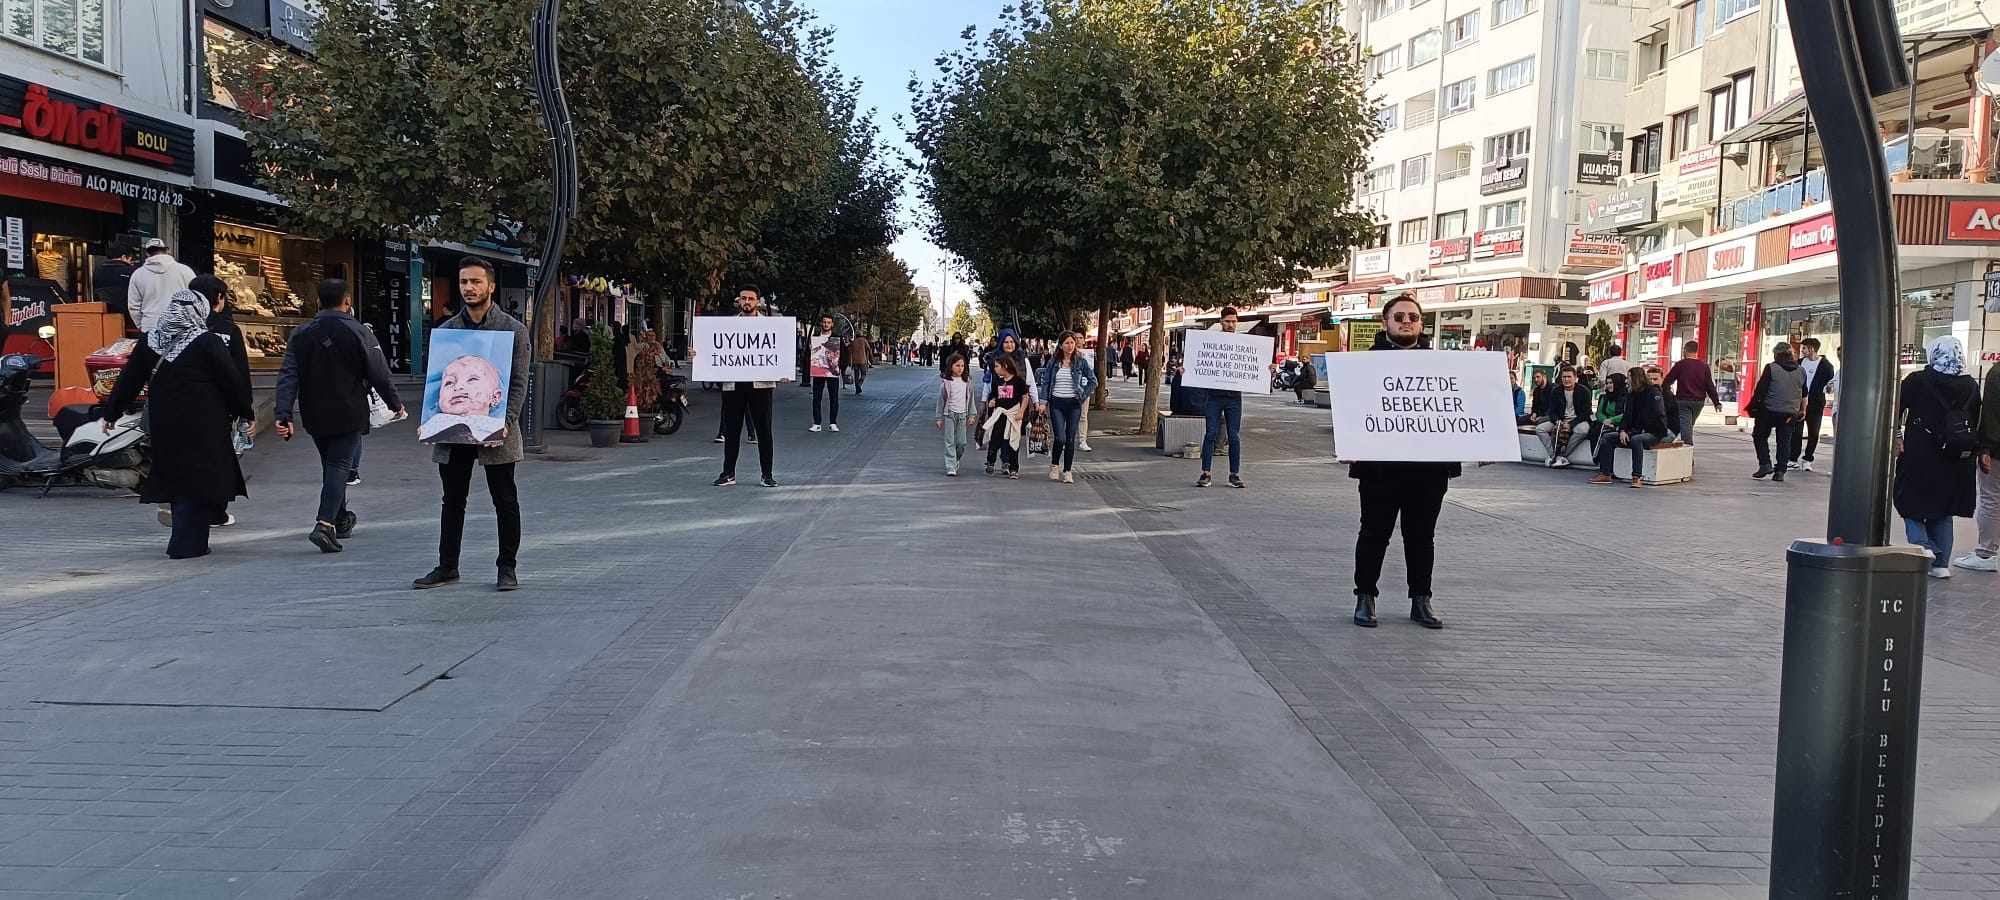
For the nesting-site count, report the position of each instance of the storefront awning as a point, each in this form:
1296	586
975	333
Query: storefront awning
1942	58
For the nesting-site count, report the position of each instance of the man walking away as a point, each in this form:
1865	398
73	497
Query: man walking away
111	284
1985	557
1223	409
824	367
330	365
1819	376
477	280
749	400
154	283
1777	402
1412	491
1564	423
1689	383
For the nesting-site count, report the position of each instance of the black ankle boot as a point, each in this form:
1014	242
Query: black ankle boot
1364	610
1420	613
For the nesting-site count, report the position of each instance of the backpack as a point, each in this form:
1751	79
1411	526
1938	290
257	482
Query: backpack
1953	436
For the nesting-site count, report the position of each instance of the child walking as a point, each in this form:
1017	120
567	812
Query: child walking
1006	400
954	410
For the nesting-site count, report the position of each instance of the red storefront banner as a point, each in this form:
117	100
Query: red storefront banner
1977	221
1812	237
1607	291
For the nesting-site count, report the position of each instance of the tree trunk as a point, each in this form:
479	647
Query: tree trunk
1103	352
1156	362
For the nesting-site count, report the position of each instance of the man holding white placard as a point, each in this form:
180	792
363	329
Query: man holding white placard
749	358
1407	422
1226	364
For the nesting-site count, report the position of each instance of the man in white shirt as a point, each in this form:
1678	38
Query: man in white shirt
153	284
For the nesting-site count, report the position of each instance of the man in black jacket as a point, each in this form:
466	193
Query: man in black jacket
1566	407
330	364
1819	375
1413	491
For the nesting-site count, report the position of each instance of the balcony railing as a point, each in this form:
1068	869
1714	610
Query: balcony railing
1417	118
1460	172
1935	157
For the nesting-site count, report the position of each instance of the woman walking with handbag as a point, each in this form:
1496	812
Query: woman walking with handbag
1937	450
1068	379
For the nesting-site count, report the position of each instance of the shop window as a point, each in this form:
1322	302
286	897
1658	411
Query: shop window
63	261
1517	74
73	28
273	279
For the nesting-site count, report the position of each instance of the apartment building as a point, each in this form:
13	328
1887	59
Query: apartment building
1499	126
1722	202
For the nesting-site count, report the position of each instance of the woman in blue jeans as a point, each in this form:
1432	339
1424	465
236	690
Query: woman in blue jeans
1066	382
1643	426
1936	451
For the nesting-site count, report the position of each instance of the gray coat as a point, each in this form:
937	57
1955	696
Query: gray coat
509	450
1782	390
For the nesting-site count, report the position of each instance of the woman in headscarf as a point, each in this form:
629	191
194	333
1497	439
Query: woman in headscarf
1937	450
197	390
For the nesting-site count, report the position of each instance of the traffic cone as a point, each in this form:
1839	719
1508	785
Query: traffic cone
632	435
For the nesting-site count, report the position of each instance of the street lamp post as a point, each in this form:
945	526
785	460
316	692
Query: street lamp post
1854	606
547	66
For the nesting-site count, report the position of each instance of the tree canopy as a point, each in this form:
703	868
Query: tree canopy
1092	149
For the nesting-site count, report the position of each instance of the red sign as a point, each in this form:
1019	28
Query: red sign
1974	220
1497	243
45	115
1450	251
1813	237
1607	291
1661	275
1653	318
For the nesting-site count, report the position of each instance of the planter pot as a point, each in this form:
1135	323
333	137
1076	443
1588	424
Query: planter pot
604	432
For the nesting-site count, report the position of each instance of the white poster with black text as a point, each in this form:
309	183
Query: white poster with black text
1228	361
1422	406
745	348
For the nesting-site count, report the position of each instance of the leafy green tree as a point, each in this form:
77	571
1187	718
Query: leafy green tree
1597	341
601	399
962	323
1091	148
885	298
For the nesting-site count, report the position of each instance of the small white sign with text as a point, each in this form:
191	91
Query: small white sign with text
1422	406
1228	361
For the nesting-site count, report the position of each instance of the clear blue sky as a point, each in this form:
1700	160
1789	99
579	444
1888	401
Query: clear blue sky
882	42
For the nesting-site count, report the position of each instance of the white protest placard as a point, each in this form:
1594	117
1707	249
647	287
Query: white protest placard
745	348
1422	406
1227	360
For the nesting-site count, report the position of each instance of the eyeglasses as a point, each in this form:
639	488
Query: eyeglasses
1406	317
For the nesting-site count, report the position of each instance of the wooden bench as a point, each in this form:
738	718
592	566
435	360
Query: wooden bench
1666	464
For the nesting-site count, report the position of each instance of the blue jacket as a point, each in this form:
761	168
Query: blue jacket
1086	377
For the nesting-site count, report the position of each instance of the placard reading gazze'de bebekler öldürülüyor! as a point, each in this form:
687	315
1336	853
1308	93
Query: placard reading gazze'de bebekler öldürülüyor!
745	348
1422	406
1227	360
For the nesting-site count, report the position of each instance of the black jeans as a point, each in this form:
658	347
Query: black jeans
1786	430
831	385
752	405
336	463
1418	503
1807	433
192	519
997	445
457	477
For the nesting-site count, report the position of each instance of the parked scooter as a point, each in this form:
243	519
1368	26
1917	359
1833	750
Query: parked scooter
667	420
1290	374
120	460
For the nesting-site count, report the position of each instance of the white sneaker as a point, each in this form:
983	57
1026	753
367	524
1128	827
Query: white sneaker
1806	465
1084	447
1977	563
835	426
1940	572
166	515
228	519
814	429
1055	473
1549	463
1069	478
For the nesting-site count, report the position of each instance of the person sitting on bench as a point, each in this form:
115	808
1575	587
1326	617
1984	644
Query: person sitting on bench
1564	422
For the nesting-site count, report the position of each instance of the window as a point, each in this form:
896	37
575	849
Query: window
1413	231
1382	8
1610	65
73	28
1416	171
1517	74
1505	11
1503	147
1727	11
1730	107
1458	96
1654	49
1645	153
1501	215
1461	31
1380	238
1681	133
1693	23
1425	47
1454	162
1420	109
1379	179
1386	61
1451	224
1598	137
1386	117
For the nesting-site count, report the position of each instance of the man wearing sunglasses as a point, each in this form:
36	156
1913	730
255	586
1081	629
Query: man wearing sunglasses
1412	491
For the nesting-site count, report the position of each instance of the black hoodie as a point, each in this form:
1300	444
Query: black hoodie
1407	473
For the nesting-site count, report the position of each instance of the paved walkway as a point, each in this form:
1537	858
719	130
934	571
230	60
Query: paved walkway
867	683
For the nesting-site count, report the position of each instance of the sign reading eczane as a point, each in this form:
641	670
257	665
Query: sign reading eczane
1422	406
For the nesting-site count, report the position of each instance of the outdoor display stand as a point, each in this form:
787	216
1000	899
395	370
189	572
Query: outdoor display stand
81	329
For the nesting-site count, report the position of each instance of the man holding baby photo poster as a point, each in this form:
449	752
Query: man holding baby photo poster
463	428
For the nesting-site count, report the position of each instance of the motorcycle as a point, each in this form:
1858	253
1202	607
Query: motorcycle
120	460
667	420
1290	375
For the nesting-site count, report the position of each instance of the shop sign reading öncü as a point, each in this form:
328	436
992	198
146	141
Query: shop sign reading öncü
1497	243
1976	221
57	118
34	168
1811	237
1731	257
